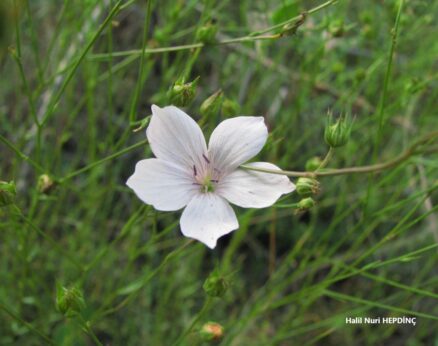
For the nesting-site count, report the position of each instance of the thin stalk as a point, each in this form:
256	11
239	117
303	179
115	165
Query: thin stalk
200	314
96	163
140	80
387	76
27	324
255	36
20	154
327	158
353	170
52	241
73	70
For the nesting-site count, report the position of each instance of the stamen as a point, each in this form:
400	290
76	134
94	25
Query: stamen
194	171
206	158
214	180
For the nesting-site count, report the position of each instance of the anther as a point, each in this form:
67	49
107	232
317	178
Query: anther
194	171
206	158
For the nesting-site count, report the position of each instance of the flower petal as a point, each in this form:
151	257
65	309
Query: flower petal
164	185
236	140
176	137
251	189
208	217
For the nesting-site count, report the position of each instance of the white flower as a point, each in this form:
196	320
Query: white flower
187	174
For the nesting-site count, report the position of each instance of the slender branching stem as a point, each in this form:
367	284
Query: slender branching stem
412	150
255	36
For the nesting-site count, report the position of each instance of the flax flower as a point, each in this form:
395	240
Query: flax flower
205	180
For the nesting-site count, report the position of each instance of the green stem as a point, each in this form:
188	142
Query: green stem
387	76
140	283
256	36
140	80
353	170
73	70
89	331
52	241
27	324
96	163
327	158
20	154
200	314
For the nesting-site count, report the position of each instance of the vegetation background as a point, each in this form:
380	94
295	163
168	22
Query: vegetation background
70	102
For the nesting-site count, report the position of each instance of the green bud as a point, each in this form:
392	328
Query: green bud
181	94
45	184
230	108
306	204
313	163
360	74
337	134
212	105
215	285
211	331
207	33
307	186
69	301
7	193
336	28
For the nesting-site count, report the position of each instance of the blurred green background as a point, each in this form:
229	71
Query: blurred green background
70	99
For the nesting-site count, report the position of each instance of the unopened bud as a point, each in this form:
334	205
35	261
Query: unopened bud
7	193
212	105
181	94
69	300
215	285
230	108
305	204
211	331
336	28
313	164
207	33
337	134
307	186
45	184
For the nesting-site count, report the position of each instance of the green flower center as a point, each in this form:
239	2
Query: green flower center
207	185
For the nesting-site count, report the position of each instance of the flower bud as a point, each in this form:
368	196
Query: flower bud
7	193
69	300
212	105
337	134
307	186
305	204
45	184
181	94
215	285
230	108
336	28
207	33
211	331
313	164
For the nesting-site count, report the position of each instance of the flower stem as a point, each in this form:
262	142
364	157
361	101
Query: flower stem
27	324
200	314
412	150
96	163
255	36
327	158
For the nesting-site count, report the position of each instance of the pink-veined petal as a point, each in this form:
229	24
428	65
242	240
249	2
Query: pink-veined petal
208	217
175	137
251	189
162	184
235	141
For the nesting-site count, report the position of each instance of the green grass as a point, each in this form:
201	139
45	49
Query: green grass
77	77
